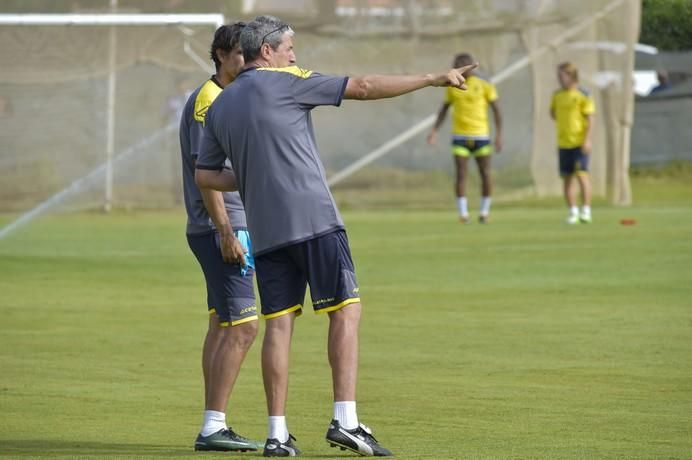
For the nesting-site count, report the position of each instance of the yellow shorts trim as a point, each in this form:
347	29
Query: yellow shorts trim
465	150
460	151
224	323
339	306
575	174
296	308
245	320
212	311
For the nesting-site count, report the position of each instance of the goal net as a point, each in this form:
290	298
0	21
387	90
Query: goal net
58	115
54	102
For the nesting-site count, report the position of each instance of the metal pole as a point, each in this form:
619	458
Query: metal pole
110	108
622	193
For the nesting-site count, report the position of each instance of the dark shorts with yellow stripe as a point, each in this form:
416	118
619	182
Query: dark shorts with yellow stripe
324	263
573	162
230	295
466	147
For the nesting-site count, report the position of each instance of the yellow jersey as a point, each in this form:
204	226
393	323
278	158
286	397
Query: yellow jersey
571	107
207	94
470	107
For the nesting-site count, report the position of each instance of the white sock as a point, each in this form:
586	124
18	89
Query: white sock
462	206
345	414
485	206
277	428
574	211
586	210
213	422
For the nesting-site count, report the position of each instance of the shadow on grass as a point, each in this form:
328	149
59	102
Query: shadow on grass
48	447
33	448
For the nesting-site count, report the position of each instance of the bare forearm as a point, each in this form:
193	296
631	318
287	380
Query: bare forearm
497	116
441	115
213	202
372	87
222	180
589	129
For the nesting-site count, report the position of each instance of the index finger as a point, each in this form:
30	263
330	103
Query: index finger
466	68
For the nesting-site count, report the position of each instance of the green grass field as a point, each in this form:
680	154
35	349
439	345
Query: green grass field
522	339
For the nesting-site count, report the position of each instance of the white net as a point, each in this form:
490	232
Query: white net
54	80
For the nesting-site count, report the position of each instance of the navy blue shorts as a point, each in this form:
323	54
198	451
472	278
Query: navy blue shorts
324	263
573	161
229	294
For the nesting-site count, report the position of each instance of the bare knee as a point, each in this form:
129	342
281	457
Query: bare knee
279	329
348	314
243	335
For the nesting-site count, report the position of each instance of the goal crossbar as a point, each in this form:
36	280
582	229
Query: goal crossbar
111	19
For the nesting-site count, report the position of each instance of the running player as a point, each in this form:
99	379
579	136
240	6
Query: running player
222	251
471	134
572	108
263	123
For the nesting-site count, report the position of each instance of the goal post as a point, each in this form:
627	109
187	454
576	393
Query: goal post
90	56
114	20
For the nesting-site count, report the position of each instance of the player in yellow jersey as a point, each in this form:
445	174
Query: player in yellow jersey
572	108
471	133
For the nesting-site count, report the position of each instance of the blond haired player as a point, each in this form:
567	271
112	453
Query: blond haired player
572	108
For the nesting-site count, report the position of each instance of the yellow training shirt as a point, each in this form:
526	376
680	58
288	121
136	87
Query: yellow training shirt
571	107
207	94
470	117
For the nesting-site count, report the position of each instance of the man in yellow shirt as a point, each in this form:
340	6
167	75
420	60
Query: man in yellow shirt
471	133
572	108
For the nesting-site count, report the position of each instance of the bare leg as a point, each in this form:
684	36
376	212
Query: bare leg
570	197
585	185
343	358
460	163
211	344
484	171
234	345
343	351
275	358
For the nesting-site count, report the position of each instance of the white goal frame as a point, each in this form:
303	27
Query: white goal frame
112	20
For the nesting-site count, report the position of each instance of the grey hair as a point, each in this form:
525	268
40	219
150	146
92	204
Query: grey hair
262	29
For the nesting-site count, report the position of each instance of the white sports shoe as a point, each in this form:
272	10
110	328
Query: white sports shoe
572	219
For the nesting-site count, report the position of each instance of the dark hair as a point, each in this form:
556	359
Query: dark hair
463	59
226	38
